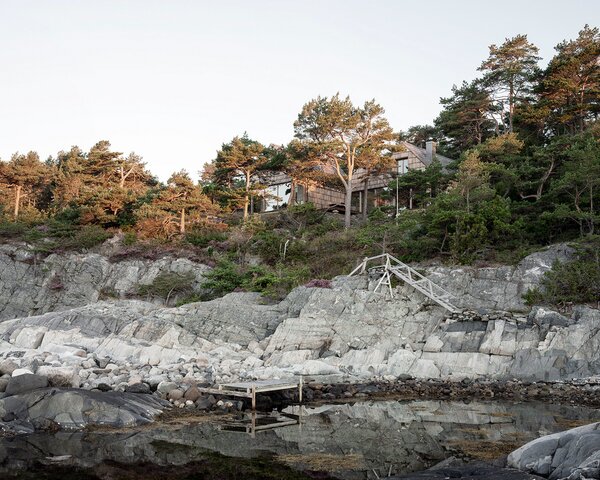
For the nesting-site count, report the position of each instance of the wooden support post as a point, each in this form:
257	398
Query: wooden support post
300	391
253	397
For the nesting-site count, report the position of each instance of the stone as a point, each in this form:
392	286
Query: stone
85	278
314	367
165	387
30	337
21	371
25	383
547	318
192	394
7	367
206	402
60	376
142	388
175	394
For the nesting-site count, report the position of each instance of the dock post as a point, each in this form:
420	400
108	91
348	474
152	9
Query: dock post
253	398
300	390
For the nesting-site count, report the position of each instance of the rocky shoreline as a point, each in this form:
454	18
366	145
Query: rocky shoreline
78	350
145	403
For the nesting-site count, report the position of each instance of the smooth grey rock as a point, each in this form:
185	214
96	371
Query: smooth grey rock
572	454
25	383
70	409
143	388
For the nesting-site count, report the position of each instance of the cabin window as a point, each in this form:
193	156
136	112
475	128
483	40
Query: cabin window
402	166
300	194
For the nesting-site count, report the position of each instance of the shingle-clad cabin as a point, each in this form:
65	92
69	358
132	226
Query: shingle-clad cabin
279	192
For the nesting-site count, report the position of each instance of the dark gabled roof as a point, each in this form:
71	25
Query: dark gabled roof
421	154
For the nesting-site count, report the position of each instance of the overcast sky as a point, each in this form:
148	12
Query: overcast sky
172	80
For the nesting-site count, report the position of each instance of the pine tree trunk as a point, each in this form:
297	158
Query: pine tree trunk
292	199
182	221
247	199
365	199
511	108
17	199
348	205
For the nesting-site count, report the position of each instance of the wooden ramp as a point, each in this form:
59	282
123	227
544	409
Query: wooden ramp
251	389
388	266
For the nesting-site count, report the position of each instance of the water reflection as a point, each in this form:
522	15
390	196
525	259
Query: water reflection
349	441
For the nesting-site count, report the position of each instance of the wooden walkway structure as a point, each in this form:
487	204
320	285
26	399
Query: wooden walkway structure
387	266
251	389
258	424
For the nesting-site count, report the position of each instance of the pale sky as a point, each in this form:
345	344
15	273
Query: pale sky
173	79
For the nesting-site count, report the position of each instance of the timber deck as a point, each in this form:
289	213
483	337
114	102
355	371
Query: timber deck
251	389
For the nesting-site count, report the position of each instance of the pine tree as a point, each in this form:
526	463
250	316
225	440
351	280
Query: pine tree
509	72
342	137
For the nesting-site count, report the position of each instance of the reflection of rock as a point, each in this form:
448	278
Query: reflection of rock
574	454
409	435
53	408
469	472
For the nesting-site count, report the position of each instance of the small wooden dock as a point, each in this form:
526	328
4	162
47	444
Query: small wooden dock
251	389
262	423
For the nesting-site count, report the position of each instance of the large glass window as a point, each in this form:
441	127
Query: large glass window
277	196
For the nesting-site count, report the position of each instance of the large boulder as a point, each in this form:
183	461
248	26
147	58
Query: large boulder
25	383
72	409
573	455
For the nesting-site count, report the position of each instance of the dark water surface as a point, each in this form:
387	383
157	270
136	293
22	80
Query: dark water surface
347	441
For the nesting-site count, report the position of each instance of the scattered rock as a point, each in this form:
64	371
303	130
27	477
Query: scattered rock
25	383
143	388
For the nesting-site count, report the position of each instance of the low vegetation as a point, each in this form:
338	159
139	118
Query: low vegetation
574	282
526	141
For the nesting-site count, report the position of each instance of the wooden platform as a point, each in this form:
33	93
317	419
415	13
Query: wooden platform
251	389
257	424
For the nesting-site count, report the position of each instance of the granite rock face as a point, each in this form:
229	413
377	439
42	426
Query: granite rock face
572	455
499	288
347	331
29	286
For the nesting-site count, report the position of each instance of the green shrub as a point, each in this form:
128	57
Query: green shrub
130	238
577	281
205	237
12	229
87	236
168	284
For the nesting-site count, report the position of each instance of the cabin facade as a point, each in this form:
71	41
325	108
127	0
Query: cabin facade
279	192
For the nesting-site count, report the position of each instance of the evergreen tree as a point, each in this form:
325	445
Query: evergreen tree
25	176
570	86
238	162
175	207
467	118
509	72
343	138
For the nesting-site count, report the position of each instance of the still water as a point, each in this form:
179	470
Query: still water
359	440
